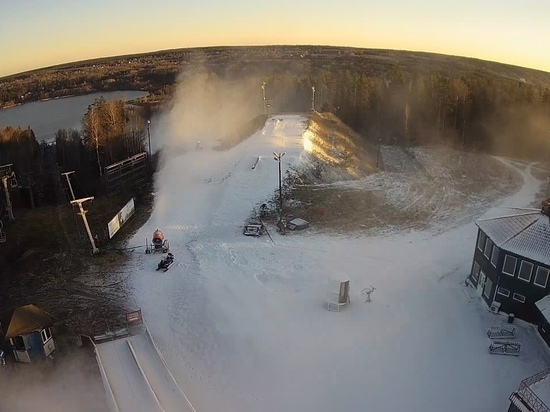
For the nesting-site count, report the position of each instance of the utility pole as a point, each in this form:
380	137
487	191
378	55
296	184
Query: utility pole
463	121
66	174
278	157
9	208
149	136
83	214
312	98
378	153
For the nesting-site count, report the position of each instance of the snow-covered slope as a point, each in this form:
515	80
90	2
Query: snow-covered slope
242	321
136	377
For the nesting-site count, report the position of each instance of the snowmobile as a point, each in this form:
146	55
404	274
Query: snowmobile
159	243
166	262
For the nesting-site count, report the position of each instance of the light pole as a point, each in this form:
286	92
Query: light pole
278	157
86	225
312	98
378	153
66	174
263	93
149	135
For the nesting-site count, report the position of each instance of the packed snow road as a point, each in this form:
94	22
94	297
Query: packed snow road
242	322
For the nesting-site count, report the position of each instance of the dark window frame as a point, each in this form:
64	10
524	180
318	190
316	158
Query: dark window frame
537	274
501	291
481	236
495	252
530	272
515	265
487	281
488	245
519	300
475	273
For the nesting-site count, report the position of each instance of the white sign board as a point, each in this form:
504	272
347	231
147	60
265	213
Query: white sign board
116	222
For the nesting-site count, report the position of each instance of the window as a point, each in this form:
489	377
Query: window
525	271
519	298
488	248
541	278
18	342
481	240
46	334
487	288
494	256
509	267
503	292
475	271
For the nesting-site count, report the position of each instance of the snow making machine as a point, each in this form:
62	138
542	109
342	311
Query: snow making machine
158	244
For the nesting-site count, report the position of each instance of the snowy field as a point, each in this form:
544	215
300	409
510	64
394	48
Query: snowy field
242	322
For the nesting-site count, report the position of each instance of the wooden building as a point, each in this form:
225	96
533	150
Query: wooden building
29	334
511	264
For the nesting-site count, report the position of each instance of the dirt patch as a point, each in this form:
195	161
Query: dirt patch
419	188
47	261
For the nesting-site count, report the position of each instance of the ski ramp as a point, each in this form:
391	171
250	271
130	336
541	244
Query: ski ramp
136	377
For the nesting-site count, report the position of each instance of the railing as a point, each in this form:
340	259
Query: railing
531	397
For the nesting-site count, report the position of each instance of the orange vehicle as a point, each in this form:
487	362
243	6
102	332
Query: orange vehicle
158	244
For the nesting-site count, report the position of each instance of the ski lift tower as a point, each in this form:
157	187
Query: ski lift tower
9	181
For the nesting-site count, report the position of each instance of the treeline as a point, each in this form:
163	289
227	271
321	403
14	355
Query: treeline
33	164
112	131
83	80
473	111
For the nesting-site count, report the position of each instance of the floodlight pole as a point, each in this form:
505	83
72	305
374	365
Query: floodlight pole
263	93
66	174
278	157
83	214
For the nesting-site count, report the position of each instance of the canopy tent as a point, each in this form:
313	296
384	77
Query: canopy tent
27	319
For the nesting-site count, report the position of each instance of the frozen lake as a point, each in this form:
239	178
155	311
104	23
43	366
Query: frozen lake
47	117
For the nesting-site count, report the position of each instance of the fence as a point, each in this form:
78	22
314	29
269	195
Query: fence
127	174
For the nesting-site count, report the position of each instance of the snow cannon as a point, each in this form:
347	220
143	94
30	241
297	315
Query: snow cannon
158	244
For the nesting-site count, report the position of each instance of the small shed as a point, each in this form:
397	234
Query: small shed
298	224
29	334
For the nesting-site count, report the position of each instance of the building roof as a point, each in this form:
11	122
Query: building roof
544	306
27	319
526	234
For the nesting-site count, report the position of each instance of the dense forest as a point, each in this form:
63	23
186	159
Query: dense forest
391	97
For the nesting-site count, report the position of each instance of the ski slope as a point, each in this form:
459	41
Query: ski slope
242	322
136	377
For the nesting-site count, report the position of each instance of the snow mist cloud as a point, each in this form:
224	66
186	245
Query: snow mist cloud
206	107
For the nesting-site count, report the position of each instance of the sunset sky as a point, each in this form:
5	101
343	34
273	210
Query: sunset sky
37	33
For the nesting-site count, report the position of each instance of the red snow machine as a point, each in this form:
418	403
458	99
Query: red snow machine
159	243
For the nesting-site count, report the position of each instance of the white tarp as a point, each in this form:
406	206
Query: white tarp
116	222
